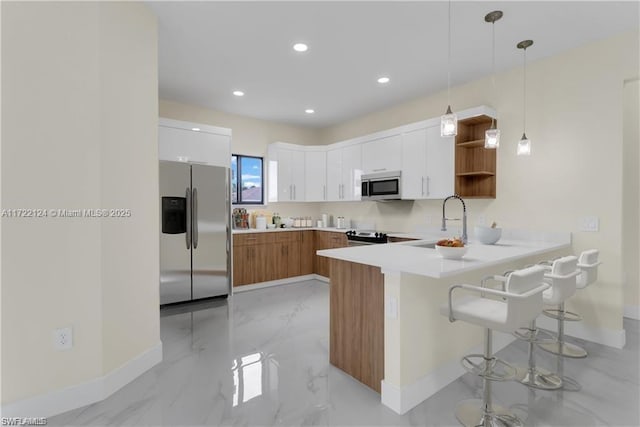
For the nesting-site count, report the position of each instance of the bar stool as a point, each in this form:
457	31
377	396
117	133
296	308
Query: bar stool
561	274
586	274
519	303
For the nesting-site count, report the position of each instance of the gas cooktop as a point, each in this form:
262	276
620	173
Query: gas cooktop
366	236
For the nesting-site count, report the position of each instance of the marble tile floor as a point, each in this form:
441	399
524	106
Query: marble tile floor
262	360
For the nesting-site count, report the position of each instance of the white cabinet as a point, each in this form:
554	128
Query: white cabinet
178	142
344	172
315	176
286	175
427	164
383	154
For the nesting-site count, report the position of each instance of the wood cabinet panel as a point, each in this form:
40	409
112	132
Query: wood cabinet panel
356	321
326	240
307	252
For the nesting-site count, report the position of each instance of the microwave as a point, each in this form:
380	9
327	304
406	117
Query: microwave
381	186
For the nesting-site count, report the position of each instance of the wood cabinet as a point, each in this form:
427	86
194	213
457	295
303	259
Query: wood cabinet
382	155
344	172
327	240
307	251
427	164
475	165
261	257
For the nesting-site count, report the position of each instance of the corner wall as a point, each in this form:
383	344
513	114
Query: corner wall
574	119
79	116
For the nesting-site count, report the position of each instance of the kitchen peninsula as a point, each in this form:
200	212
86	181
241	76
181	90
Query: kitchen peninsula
386	329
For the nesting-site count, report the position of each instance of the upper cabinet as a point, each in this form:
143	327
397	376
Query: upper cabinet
382	155
475	165
315	175
179	141
427	164
286	173
344	172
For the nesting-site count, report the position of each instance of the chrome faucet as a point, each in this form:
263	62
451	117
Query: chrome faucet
464	217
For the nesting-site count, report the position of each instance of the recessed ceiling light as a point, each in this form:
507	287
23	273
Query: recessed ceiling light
309	111
195	129
300	47
383	80
238	93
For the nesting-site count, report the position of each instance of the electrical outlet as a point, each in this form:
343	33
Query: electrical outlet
391	307
63	338
589	223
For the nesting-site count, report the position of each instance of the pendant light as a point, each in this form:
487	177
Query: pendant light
492	135
449	121
524	145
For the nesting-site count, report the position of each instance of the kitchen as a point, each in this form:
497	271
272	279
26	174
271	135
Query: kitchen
571	98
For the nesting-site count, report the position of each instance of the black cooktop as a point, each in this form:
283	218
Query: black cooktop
366	236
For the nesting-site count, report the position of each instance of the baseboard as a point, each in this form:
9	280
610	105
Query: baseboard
608	337
66	399
632	312
262	285
403	399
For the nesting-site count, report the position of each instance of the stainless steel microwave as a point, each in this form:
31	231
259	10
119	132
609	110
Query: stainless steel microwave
381	186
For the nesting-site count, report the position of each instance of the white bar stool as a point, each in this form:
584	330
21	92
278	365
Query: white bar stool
517	305
585	274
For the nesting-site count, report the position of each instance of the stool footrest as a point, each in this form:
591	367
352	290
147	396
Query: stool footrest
563	349
532	335
567	316
493	369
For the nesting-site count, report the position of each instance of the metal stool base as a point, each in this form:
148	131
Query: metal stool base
470	413
538	378
568	316
493	369
563	349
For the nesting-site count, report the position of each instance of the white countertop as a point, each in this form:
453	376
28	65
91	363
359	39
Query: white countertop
405	257
278	230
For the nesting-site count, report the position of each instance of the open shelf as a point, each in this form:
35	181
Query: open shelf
475	165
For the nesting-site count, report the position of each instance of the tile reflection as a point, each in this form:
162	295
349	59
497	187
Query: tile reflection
253	375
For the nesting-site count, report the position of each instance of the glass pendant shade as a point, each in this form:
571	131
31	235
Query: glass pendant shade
492	138
524	146
449	123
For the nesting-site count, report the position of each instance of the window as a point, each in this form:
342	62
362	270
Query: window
246	180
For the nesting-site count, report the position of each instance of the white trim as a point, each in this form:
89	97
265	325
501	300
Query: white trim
279	282
403	399
609	337
632	312
76	396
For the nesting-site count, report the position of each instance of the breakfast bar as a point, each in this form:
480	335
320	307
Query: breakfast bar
386	329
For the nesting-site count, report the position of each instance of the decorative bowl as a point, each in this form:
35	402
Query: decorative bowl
451	252
487	235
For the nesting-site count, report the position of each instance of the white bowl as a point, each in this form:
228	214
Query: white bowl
450	252
487	235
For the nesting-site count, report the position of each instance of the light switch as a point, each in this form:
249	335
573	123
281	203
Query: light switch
589	223
391	307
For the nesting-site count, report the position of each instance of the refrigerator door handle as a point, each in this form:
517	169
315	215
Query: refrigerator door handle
195	217
188	233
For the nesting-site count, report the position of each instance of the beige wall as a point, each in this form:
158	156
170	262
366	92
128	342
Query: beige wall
250	136
631	196
574	118
71	105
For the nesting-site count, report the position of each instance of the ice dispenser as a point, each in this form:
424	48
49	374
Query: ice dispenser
174	215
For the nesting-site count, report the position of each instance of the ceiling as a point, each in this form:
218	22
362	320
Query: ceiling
209	49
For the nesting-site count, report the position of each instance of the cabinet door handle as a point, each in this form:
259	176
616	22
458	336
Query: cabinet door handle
428	182
422	183
379	170
324	192
294	192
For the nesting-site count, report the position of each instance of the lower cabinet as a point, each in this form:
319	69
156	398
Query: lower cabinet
261	257
326	240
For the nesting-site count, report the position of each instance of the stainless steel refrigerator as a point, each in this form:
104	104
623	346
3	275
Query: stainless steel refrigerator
195	232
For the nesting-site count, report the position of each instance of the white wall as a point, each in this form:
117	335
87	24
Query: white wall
631	199
79	131
574	119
